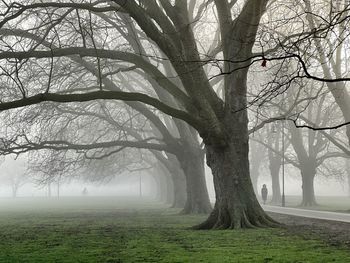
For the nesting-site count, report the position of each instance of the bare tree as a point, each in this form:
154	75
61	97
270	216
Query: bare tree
15	173
65	34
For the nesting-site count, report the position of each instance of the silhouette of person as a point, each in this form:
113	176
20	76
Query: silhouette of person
264	193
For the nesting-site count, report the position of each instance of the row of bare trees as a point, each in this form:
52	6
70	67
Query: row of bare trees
176	81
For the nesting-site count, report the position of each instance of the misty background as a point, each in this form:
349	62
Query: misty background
15	171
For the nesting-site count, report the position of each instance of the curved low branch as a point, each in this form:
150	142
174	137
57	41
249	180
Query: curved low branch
64	145
104	95
137	60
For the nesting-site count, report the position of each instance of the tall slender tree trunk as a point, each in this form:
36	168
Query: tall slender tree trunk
58	188
275	161
178	180
308	175
349	182
162	188
275	166
348	172
174	192
197	192
169	190
157	184
180	194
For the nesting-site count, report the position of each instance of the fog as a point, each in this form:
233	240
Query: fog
130	184
127	125
210	107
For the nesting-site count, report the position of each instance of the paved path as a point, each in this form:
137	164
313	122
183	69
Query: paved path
342	217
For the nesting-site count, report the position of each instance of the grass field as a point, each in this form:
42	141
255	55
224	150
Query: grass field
97	229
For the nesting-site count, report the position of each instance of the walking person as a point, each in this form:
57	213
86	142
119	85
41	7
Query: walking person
264	193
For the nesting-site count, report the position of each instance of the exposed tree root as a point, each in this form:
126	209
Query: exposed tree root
225	219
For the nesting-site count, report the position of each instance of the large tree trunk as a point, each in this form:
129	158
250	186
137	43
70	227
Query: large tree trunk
158	195
227	149
348	172
349	182
276	189
163	195
169	190
275	161
236	204
180	194
197	192
308	175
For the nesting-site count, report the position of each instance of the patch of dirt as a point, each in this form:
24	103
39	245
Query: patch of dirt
333	233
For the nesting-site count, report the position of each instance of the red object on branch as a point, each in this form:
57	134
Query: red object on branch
263	64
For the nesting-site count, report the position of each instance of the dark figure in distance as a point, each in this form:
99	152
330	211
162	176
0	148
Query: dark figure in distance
264	193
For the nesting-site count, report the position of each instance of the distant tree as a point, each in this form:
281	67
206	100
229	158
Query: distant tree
331	54
15	173
348	174
274	139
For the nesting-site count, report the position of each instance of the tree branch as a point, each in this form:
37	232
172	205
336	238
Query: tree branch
104	95
64	145
108	54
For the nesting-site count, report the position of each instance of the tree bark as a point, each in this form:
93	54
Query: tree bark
275	161
169	190
307	165
349	182
58	188
308	175
338	89
197	194
180	194
275	166
157	184
170	167
227	150
348	172
162	188
236	204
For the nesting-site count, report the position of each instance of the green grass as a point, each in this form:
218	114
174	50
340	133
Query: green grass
325	203
125	230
